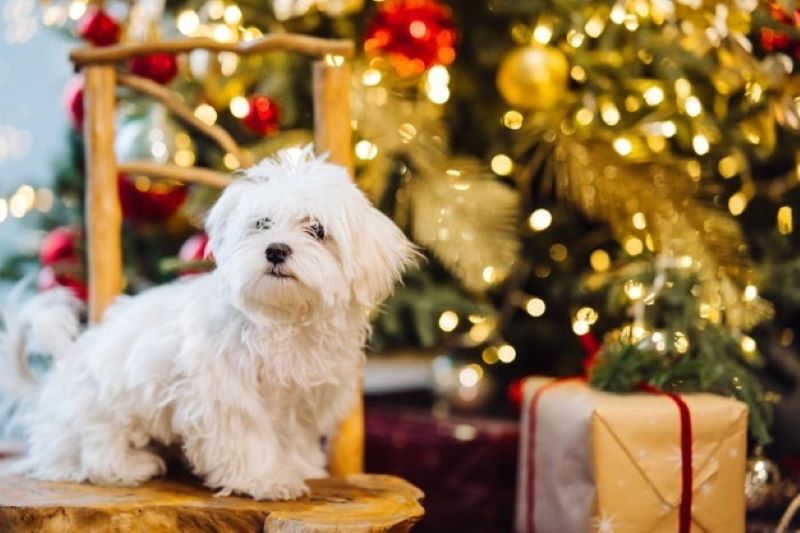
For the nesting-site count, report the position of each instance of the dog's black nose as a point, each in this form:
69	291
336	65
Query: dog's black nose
277	252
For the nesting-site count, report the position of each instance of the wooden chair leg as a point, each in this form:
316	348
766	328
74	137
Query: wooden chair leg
103	212
333	134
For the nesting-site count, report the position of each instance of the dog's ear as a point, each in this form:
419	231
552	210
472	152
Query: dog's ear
221	212
381	253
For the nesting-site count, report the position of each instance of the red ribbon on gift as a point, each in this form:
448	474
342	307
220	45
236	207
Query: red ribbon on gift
685	508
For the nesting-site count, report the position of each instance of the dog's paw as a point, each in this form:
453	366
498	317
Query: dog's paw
281	491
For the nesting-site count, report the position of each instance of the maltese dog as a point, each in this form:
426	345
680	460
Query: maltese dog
245	367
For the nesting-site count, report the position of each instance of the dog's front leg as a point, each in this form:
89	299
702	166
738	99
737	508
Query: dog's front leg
245	457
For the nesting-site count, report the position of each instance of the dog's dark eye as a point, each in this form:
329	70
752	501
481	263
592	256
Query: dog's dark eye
263	223
317	230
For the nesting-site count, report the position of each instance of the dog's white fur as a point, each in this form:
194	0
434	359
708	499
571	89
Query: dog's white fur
244	369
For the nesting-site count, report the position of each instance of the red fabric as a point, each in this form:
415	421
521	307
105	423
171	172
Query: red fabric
591	346
685	508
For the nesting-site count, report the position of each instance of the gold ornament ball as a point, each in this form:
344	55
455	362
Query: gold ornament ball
533	77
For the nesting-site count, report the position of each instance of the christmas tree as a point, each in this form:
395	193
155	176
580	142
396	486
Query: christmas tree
612	174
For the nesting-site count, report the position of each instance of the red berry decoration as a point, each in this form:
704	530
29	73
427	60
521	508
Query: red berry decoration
145	200
415	34
73	101
60	246
99	28
264	115
49	278
774	40
160	67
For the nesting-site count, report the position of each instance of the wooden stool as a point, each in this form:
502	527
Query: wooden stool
358	503
351	501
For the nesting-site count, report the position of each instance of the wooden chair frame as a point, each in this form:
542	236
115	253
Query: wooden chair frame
332	134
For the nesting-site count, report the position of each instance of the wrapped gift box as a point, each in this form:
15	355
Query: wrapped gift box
594	461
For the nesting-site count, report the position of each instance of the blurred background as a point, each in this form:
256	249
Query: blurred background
602	187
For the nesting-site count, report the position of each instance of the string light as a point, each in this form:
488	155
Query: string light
448	321
540	219
502	165
231	162
634	290
489	274
506	353
639	220
535	307
700	144
623	146
680	342
232	14
600	260
188	22
785	223
366	151
371	77
693	106
512	120
737	203
750	293
653	95
239	106
470	375
76	9
542	33
490	356
206	113
609	113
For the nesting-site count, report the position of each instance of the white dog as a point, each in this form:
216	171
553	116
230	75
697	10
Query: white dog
245	367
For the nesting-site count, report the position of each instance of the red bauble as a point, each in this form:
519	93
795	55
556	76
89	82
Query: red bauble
99	28
415	34
194	249
60	246
73	101
50	279
150	201
773	40
264	115
158	66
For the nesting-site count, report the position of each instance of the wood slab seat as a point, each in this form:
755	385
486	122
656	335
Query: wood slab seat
359	504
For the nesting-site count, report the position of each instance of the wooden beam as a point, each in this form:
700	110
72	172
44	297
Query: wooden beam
304	44
174	172
333	134
168	99
103	211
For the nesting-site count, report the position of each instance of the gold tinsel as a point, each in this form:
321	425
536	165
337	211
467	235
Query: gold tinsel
659	205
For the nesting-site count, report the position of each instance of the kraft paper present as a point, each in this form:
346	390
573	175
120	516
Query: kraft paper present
608	463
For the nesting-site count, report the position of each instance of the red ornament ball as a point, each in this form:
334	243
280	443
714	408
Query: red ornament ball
49	278
264	115
73	101
774	40
60	246
160	67
195	248
415	34
99	28
146	200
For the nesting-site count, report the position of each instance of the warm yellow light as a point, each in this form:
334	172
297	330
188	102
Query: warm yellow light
623	146
693	106
575	38
542	33
584	116
333	60
366	151
44	200
682	87
502	165
728	166
469	376
371	77
750	293
785	223
206	113
438	93
239	106
633	245
188	21
448	321
580	327
489	355
654	95
558	252
438	75
232	14
215	9
506	353
594	27
228	63
600	260
668	128
748	345
700	144
76	9
577	73
587	314
513	120
633	289
535	307
610	114
737	203
184	158
540	219
489	274
617	14
639	220
681	342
